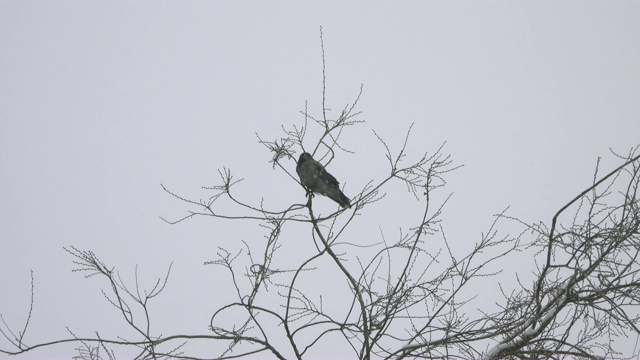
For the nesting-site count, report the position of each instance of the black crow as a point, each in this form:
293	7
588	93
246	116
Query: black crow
313	175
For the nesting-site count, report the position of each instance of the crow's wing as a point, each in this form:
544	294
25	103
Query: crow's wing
321	173
329	179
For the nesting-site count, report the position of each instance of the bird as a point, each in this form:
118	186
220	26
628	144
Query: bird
315	178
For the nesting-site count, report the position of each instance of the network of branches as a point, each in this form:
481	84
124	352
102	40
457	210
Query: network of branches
412	296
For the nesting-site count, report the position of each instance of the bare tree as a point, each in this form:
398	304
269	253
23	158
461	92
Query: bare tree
587	289
407	297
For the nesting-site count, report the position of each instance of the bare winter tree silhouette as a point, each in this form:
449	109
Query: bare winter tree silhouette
407	297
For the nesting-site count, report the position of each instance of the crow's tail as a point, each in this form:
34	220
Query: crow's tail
344	201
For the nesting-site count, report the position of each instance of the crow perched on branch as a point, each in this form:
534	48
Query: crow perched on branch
315	178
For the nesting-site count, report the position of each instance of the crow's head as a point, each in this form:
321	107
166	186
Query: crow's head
304	157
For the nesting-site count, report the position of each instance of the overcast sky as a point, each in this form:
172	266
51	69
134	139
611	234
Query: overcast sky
101	102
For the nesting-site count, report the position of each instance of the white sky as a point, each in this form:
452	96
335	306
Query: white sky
102	102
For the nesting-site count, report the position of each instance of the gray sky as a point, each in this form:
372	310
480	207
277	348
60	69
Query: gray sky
102	102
